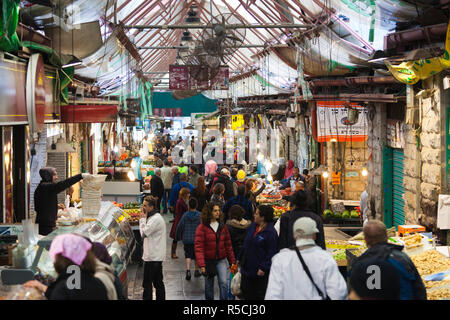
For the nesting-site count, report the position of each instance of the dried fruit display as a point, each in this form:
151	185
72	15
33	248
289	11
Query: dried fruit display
413	241
438	294
430	262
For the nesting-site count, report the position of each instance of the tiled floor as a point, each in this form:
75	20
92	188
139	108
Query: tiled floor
174	272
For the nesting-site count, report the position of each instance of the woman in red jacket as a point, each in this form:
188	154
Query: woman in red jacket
213	246
180	209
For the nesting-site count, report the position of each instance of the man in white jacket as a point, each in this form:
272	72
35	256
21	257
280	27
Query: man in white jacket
288	279
153	232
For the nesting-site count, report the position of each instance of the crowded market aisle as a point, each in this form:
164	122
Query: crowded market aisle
174	272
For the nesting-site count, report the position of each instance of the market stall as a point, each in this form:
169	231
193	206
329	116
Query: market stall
110	227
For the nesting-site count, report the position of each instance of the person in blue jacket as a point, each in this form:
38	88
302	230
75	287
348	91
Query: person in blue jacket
176	190
186	231
255	258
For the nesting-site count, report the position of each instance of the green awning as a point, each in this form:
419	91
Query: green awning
195	104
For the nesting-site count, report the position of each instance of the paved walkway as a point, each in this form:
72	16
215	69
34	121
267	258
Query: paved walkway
174	272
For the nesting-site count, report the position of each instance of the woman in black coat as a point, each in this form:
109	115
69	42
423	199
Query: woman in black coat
45	197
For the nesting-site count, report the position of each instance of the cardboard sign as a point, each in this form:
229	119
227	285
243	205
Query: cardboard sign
335	178
337	207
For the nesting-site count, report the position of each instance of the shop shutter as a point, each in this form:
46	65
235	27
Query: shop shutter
398	203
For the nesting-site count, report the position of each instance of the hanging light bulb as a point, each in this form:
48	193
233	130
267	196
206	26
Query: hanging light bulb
131	176
260	157
116	149
364	172
258	145
325	174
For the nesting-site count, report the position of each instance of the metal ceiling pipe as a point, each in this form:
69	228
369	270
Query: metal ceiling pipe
357	97
351	81
230	26
262	102
434	32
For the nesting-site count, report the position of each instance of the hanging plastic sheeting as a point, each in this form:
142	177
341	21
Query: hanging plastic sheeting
370	20
276	73
146	99
66	76
410	72
9	19
111	65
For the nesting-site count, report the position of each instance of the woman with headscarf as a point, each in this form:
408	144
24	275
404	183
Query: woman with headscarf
104	268
67	251
45	197
210	169
289	169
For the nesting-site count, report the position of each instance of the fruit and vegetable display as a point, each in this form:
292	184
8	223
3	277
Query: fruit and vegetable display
279	210
269	198
343	244
339	254
132	205
329	214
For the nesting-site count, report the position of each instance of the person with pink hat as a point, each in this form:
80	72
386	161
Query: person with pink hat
75	263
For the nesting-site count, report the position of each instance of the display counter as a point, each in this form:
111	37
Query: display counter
110	228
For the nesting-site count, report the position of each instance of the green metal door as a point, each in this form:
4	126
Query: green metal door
398	204
394	213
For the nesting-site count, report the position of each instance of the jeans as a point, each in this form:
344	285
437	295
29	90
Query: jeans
153	277
165	199
222	278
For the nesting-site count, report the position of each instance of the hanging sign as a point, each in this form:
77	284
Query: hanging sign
237	122
180	79
333	122
335	178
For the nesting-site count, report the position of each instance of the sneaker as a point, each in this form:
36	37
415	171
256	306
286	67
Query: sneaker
188	274
197	274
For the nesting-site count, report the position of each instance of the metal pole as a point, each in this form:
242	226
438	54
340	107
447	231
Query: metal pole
230	26
186	47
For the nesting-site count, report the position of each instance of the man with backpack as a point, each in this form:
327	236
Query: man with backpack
375	235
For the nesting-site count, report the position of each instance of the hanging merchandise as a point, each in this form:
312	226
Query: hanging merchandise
410	72
9	18
237	122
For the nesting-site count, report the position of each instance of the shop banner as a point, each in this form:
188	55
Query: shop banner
168	112
333	122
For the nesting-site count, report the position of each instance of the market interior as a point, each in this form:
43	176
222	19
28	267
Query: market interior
320	125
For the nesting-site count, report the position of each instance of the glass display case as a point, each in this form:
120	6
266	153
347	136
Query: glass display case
111	228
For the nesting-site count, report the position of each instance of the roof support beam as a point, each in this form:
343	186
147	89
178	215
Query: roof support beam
231	26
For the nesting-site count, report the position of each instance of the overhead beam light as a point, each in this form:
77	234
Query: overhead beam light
73	62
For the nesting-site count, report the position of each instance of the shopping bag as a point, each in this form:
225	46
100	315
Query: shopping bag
236	285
